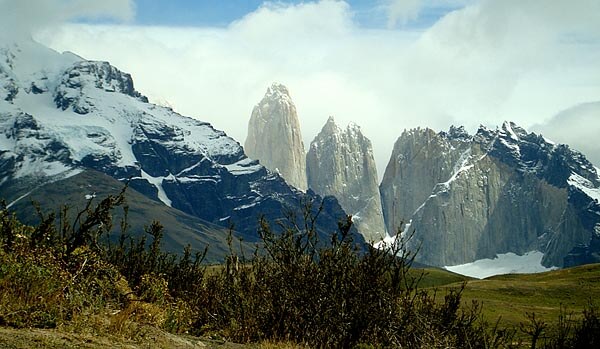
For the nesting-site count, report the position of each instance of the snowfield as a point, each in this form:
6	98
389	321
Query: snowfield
507	263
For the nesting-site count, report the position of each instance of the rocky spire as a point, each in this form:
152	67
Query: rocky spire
340	163
274	136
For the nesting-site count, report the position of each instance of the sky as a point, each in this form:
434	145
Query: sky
386	65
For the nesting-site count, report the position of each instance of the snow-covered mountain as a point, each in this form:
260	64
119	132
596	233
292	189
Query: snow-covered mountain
61	114
498	191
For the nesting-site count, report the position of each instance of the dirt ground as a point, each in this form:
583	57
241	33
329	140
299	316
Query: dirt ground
11	338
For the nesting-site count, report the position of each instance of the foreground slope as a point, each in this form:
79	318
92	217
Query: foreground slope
61	114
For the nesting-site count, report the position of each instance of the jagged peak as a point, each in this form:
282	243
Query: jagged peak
277	90
276	95
512	130
329	128
457	132
353	127
417	130
483	128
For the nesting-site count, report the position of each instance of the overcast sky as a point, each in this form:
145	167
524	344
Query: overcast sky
386	65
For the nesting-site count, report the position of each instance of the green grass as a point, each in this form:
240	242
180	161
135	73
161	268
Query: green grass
435	277
510	297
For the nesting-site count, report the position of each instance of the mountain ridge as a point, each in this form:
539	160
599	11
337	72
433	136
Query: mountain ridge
75	114
486	185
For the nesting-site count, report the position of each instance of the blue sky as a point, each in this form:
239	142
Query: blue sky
220	13
192	12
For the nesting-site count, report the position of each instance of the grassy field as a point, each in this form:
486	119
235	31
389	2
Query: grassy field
510	297
435	277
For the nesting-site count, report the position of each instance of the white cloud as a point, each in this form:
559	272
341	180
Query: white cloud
520	60
402	11
24	17
579	127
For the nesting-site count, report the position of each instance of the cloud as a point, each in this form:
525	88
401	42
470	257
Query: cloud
578	126
20	18
486	62
402	11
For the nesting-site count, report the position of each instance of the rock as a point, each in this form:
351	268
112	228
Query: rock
274	136
585	254
93	118
340	163
499	191
421	158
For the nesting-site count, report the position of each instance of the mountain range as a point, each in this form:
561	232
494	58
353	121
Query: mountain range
64	118
72	130
461	197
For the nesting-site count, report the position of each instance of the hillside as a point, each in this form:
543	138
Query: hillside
510	297
180	228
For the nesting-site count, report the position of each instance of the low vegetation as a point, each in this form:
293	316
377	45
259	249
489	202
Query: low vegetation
65	274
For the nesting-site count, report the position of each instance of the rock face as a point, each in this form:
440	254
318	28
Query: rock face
62	115
274	136
504	190
340	163
585	254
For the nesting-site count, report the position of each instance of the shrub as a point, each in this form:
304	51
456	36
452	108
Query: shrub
334	296
294	289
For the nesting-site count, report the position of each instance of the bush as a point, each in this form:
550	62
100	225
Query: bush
334	296
568	333
294	289
41	285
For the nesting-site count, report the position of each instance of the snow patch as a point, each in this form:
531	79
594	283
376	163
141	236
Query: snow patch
549	141
508	128
506	263
157	182
585	186
243	207
39	167
389	240
244	166
18	199
513	147
459	167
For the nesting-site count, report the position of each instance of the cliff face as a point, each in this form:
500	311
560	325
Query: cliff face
421	158
274	136
505	190
340	163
